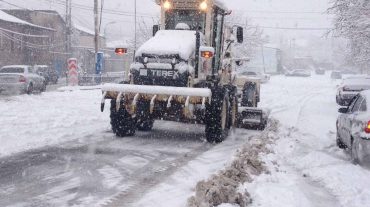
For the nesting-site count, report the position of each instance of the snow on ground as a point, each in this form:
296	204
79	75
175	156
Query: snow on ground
307	168
33	121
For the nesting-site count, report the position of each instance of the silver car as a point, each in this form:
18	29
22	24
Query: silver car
20	79
353	127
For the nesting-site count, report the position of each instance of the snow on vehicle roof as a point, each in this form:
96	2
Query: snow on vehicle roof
357	81
9	18
16	66
170	42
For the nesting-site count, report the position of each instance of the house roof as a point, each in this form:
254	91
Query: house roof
12	19
85	30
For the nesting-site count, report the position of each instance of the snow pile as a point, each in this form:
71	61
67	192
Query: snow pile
170	42
224	187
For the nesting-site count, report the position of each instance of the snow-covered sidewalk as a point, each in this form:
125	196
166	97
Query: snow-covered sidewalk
33	121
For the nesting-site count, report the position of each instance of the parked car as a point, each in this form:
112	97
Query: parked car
353	127
350	87
299	73
20	79
48	73
255	74
336	75
320	71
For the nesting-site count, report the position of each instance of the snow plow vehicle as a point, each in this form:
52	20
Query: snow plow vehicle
183	73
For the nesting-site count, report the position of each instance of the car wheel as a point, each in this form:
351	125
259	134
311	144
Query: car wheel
354	150
29	89
340	144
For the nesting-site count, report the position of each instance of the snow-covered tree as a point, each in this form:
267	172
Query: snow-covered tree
353	22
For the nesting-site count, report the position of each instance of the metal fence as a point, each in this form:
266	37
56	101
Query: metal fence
96	79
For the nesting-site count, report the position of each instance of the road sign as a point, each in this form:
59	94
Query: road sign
72	72
99	62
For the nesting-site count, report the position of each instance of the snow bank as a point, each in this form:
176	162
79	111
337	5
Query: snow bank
170	42
223	187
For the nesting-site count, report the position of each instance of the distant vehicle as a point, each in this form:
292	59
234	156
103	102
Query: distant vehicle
353	127
336	75
48	73
299	73
349	71
254	74
320	71
20	79
350	88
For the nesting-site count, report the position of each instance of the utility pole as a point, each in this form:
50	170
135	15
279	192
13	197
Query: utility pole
68	33
96	39
135	29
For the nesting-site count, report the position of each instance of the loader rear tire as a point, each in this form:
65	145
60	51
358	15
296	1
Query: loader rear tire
217	116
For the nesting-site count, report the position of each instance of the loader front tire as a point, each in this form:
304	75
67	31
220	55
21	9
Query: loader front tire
217	116
123	124
113	116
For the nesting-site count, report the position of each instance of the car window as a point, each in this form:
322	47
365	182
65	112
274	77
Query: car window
363	106
357	105
30	69
354	100
12	70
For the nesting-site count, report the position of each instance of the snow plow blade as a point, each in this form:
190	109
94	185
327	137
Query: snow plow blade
130	94
252	118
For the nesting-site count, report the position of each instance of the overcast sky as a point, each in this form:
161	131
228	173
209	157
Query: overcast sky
266	13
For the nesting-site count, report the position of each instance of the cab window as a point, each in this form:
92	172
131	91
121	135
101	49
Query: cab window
357	105
363	106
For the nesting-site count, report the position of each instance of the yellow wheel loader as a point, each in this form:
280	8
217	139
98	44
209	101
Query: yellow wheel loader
183	73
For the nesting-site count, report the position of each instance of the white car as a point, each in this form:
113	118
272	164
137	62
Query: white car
299	73
20	79
353	127
350	87
254	74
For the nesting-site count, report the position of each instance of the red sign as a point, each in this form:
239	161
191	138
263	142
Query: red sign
72	72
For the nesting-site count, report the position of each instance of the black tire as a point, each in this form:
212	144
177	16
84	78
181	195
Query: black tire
43	87
29	89
123	123
354	151
145	120
339	142
217	116
232	123
113	116
146	125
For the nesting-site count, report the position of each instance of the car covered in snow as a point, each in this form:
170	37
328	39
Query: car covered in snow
299	73
47	72
336	75
353	127
320	71
350	87
256	74
20	79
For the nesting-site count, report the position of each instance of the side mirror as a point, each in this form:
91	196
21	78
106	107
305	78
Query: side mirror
239	34
343	110
155	29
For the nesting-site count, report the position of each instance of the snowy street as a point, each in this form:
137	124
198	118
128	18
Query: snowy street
68	156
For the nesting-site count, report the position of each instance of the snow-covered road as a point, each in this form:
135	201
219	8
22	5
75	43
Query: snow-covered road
57	149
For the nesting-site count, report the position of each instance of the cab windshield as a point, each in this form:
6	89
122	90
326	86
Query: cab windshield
193	18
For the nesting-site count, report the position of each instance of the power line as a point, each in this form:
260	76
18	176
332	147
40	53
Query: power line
283	12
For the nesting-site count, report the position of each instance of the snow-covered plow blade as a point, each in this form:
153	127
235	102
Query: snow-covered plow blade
128	95
252	118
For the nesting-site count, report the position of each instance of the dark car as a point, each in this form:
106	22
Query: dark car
320	71
353	127
50	75
299	73
336	75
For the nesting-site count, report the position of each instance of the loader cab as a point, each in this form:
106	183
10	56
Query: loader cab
204	16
